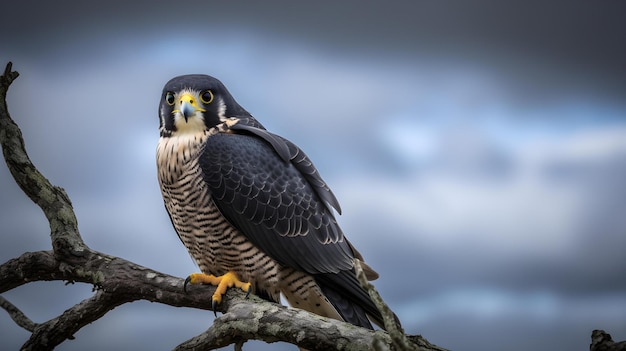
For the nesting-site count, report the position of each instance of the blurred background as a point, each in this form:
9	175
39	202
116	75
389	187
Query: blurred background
478	150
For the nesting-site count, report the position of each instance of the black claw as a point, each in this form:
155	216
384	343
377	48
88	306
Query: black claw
249	290
214	307
187	281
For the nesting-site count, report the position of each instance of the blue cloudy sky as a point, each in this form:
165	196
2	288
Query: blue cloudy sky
478	151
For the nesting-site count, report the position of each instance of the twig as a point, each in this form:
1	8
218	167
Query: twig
17	316
399	340
50	334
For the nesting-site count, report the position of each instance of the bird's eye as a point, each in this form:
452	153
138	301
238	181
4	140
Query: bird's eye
169	98
206	96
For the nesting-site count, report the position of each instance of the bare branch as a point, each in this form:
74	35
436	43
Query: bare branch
399	339
30	266
257	319
52	200
17	316
602	341
50	334
254	318
126	280
119	281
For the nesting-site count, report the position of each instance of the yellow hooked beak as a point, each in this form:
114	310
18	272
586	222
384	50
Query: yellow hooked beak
188	106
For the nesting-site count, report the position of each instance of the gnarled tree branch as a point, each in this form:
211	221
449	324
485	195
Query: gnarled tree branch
53	200
17	316
117	281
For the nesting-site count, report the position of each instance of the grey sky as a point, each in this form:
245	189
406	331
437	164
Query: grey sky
477	151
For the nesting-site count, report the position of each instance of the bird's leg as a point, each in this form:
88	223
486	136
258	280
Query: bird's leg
222	282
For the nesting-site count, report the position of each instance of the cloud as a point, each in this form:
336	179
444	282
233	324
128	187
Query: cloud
517	229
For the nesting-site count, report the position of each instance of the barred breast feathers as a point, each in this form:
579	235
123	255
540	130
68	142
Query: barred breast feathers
214	244
175	150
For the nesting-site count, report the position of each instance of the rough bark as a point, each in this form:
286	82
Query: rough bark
117	281
602	341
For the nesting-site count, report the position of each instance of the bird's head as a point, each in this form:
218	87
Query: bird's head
194	103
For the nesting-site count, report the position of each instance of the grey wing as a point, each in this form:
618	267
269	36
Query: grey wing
269	190
274	203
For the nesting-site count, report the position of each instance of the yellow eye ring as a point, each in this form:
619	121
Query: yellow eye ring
169	98
206	96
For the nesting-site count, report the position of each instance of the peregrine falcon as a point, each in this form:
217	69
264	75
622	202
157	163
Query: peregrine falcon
251	208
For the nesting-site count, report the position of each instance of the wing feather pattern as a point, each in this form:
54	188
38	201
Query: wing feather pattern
275	203
270	190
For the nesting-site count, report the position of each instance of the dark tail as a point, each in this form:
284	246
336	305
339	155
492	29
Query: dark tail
349	299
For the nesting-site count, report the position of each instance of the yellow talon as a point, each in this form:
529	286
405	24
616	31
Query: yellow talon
223	282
